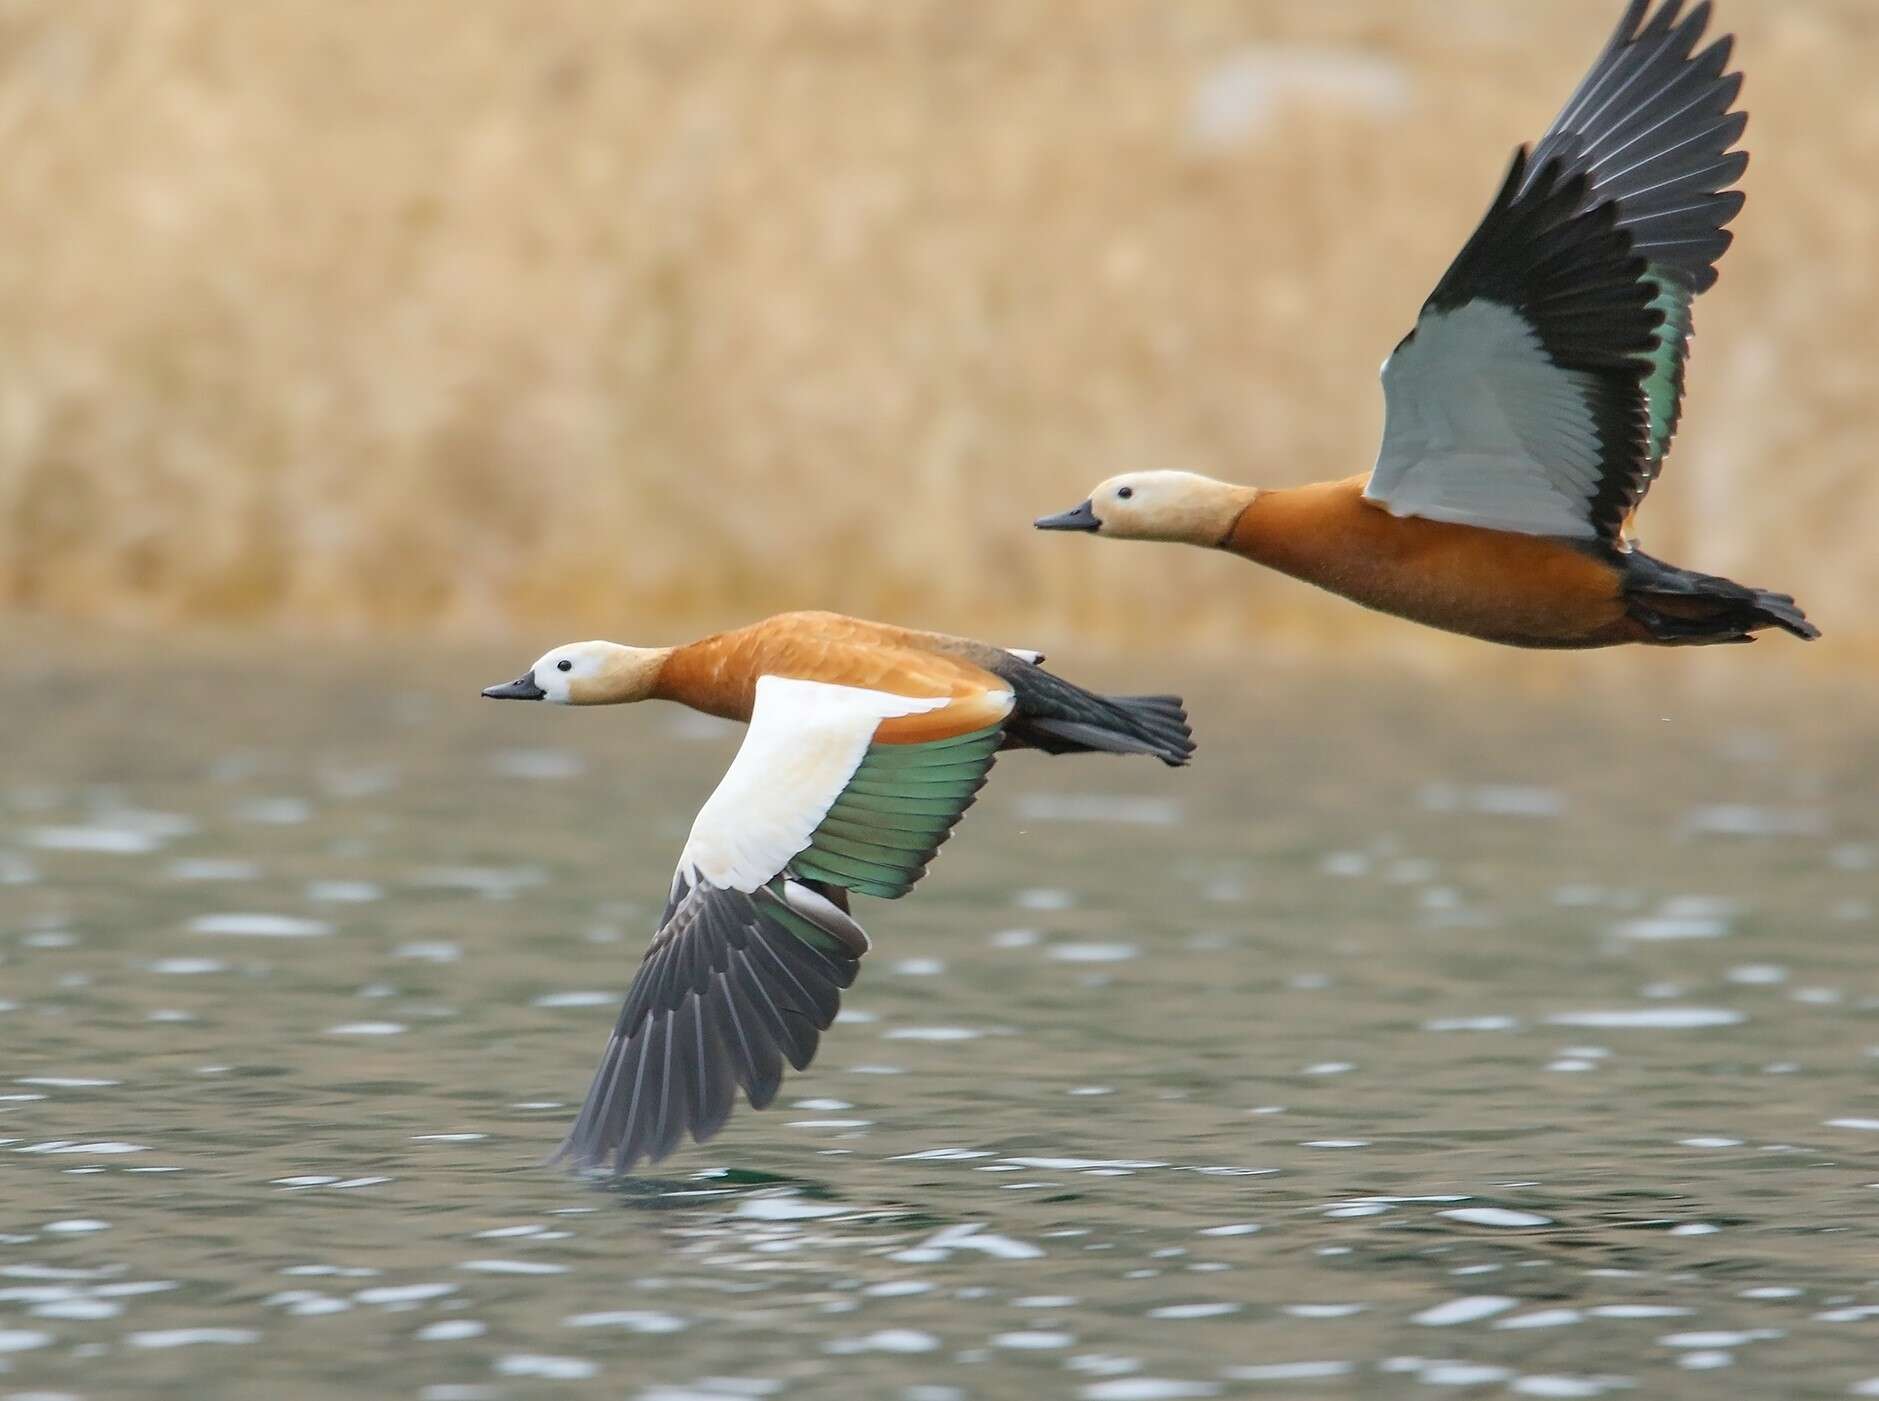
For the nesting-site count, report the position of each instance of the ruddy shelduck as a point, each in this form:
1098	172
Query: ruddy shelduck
866	744
1529	410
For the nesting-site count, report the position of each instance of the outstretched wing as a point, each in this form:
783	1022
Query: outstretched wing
756	943
1653	124
1540	388
1519	395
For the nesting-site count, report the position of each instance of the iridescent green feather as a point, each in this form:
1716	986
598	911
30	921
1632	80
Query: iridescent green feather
807	930
1663	388
900	804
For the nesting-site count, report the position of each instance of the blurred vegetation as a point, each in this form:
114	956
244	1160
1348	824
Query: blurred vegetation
598	315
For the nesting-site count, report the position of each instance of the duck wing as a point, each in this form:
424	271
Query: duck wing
1542	384
756	943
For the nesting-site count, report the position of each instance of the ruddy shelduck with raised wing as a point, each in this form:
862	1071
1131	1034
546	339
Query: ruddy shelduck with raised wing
1530	408
866	744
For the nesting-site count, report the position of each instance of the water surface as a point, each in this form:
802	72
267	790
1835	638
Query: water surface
1420	1036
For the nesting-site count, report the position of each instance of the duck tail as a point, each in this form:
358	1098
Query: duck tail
1060	717
1680	607
1161	722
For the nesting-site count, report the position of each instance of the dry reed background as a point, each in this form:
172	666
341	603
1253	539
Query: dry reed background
622	315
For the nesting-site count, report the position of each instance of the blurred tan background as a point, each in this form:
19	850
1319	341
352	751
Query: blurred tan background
625	317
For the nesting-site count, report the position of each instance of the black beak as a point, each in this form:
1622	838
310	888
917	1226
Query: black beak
1077	518
522	688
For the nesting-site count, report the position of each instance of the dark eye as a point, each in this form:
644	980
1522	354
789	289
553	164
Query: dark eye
1123	493
564	665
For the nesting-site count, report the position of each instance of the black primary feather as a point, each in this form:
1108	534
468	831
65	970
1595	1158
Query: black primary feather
1651	124
733	985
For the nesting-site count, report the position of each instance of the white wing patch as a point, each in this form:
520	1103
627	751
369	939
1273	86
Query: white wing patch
806	739
1481	428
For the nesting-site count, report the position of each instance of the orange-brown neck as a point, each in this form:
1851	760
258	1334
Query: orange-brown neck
1324	533
714	675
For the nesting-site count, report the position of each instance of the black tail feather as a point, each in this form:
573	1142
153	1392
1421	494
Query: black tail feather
1681	607
1075	737
1060	717
1785	613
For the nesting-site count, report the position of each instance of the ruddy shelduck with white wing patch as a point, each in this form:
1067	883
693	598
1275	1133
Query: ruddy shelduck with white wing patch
866	744
1532	405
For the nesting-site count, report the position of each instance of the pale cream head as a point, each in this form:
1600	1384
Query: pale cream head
587	673
1174	506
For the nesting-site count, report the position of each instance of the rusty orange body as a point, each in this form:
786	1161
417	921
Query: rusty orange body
718	674
1523	590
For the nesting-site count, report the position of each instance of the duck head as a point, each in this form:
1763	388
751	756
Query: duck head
587	673
1175	506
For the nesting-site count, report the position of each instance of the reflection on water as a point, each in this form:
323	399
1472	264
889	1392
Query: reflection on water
1492	1045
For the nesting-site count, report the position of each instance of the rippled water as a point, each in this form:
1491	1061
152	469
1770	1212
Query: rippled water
1461	1039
